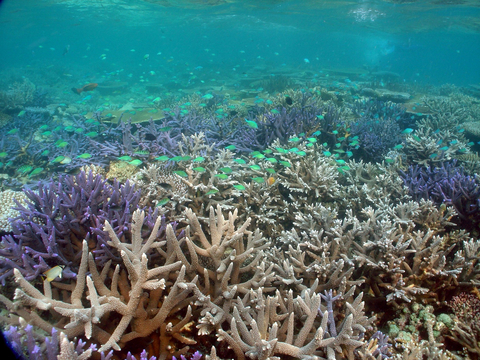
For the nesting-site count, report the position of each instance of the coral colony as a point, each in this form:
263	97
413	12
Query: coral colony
322	222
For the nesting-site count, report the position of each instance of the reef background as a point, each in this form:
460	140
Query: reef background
233	180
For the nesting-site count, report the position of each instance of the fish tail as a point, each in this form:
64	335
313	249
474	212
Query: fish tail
77	91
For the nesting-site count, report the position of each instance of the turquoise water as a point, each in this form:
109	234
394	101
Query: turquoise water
424	42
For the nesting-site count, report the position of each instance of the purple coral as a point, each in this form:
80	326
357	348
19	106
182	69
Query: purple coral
59	216
449	185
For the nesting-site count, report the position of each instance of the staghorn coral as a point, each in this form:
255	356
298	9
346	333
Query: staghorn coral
133	295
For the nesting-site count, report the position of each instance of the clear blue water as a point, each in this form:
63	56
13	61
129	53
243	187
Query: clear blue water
424	42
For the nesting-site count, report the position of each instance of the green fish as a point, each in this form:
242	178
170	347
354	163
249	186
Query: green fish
327	153
240	161
389	160
176	158
125	158
301	153
199	169
251	123
162	202
186	158
69	129
162	158
340	161
62	144
239	187
316	133
222	176
267	151
270	170
294	150
407	131
398	147
3	154
281	150
13	132
286	164
46	133
198	159
21	113
258	179
272	160
136	162
255	167
259	156
180	173
230	147
313	140
84	156
207	96
79	130
43	127
294	139
211	192
58	159
25	169
45	153
36	172
226	170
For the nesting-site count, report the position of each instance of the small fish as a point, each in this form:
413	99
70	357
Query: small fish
125	158
270	170
301	153
433	156
91	134
240	161
327	153
21	113
294	139
445	148
87	87
239	187
84	156
267	151
13	132
162	202
162	158
316	133
180	173
251	123
230	147
3	154
199	169
136	162
211	192
53	273
272	160
258	180
176	158
221	176
36	172
226	170
255	167
389	160
271	180
259	156
398	147
286	164
207	96
62	144
198	159
407	131
66	160
340	161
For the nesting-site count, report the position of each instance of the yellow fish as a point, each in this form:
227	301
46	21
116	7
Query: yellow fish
53	273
